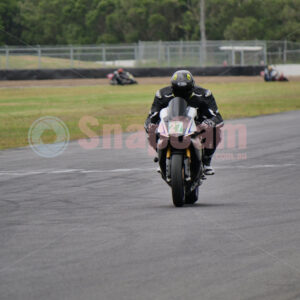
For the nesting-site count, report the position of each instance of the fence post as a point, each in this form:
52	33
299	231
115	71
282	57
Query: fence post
168	55
265	54
279	54
203	52
72	56
284	51
181	52
39	56
242	58
103	55
7	57
200	54
136	54
141	51
159	52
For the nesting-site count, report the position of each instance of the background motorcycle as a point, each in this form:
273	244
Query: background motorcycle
125	79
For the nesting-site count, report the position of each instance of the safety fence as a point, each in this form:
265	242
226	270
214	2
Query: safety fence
151	54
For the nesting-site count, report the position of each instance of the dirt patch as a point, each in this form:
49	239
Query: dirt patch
152	80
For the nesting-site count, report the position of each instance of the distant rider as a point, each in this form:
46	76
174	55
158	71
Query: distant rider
271	74
118	76
183	85
122	77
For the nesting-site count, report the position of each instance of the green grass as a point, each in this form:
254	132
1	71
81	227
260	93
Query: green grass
20	107
32	62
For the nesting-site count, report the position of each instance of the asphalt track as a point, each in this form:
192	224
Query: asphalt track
99	224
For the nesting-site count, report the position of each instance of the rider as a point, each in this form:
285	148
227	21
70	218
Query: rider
183	85
122	77
119	76
271	74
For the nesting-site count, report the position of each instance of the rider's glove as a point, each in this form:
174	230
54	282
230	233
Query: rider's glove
209	122
151	128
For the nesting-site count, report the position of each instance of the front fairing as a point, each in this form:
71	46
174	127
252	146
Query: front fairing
177	120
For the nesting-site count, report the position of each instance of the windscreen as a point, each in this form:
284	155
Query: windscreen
177	107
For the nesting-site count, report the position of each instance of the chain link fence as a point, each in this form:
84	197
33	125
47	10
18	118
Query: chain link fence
151	54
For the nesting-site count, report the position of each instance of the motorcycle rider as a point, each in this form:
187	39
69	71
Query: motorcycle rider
118	76
271	74
122	77
183	85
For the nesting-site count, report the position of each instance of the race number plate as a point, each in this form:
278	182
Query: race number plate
176	127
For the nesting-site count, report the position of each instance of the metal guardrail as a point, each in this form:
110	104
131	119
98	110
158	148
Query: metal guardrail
151	54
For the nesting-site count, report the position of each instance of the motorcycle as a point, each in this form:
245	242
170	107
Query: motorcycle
271	74
180	149
125	79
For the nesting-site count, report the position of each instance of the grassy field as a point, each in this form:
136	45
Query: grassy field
32	62
47	62
20	107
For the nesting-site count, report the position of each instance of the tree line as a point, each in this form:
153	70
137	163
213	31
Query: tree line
54	22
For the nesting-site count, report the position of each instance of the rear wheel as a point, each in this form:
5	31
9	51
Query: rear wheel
177	177
192	197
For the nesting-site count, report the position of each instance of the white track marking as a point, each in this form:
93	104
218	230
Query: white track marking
82	171
68	171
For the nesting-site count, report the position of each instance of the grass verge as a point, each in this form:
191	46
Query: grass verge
32	62
20	107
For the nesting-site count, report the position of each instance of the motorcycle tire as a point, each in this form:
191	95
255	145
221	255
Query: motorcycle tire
177	180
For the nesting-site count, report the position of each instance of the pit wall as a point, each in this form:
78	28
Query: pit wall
289	69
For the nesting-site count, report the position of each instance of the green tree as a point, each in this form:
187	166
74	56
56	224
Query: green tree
242	29
158	27
10	29
119	21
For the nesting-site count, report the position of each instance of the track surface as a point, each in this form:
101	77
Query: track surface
99	224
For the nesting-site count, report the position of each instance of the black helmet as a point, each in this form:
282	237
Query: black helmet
182	84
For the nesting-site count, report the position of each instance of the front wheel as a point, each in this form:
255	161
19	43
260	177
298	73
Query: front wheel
177	177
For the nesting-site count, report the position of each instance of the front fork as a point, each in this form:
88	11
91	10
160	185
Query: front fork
190	185
187	165
186	161
168	165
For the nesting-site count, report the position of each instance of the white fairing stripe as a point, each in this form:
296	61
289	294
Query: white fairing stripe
198	95
163	113
212	112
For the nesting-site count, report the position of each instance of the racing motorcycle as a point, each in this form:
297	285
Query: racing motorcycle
126	79
180	150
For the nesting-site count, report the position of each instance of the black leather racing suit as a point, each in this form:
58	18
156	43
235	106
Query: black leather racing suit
201	99
123	78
